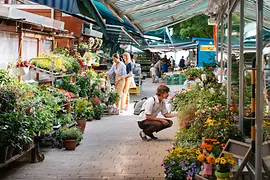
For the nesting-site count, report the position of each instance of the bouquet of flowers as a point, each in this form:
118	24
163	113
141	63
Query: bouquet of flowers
226	163
181	163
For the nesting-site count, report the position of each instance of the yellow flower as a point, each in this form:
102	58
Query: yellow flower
198	152
222	161
217	160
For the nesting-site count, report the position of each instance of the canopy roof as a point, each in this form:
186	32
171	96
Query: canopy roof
150	15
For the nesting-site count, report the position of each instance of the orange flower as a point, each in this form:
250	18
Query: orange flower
201	157
210	159
209	148
203	146
210	68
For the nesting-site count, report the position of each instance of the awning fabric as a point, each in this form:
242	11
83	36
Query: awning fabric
76	7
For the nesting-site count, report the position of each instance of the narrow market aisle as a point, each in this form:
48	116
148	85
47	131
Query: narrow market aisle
111	149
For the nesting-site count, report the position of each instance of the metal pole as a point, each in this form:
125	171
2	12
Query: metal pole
221	48
229	59
253	105
241	66
217	27
259	89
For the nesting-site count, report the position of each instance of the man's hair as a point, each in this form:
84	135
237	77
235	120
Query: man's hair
116	55
162	89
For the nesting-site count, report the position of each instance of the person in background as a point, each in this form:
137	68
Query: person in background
153	73
119	68
182	63
172	62
164	66
128	79
158	68
187	62
148	120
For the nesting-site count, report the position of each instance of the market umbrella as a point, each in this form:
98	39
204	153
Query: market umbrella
77	7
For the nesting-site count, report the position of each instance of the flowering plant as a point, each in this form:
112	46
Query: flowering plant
225	163
181	163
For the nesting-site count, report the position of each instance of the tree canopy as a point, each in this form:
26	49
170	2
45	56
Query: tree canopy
196	26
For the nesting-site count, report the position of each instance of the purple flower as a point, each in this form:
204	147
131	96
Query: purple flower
170	175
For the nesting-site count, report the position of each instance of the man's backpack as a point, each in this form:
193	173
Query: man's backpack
138	105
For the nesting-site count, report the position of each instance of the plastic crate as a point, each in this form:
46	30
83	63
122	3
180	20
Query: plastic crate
168	80
135	90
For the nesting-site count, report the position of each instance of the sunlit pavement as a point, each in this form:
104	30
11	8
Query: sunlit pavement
111	149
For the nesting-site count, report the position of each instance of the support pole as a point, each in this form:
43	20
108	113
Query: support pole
259	90
253	106
221	48
229	59
241	67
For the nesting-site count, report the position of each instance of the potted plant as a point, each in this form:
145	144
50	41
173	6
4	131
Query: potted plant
224	165
82	112
98	108
71	137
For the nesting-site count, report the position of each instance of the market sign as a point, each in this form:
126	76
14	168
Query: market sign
207	48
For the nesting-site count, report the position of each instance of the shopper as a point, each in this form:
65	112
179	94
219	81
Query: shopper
182	62
148	120
128	79
153	74
158	68
119	68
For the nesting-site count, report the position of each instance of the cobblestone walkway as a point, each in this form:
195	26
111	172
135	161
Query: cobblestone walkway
111	149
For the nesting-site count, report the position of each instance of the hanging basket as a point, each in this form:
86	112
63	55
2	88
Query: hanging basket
20	71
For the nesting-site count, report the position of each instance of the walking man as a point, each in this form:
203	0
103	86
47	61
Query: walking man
148	120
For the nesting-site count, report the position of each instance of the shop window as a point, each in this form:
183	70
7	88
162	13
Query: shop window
8	48
45	46
29	48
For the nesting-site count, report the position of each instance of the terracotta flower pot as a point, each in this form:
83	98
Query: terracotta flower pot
81	124
67	107
70	144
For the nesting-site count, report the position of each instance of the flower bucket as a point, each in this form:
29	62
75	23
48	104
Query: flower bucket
20	71
81	124
10	152
70	144
3	154
223	175
207	169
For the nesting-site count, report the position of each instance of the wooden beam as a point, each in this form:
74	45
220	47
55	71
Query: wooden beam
160	7
173	17
168	23
112	10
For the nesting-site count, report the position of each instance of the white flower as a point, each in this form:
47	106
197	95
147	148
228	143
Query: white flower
212	90
203	76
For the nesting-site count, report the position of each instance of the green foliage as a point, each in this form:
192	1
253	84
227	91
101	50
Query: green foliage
187	137
82	108
5	78
83	83
64	83
113	97
72	133
196	26
14	129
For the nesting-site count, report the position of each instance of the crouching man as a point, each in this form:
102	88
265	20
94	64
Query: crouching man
148	120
